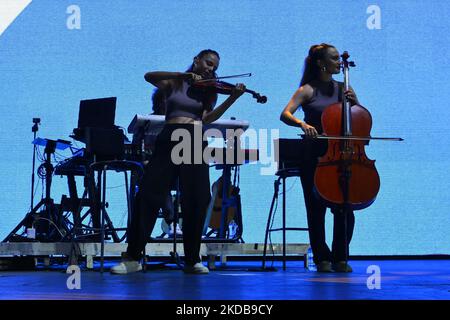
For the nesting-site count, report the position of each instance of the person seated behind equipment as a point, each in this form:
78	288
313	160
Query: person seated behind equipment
168	210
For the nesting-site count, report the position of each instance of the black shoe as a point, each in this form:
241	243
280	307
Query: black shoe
342	266
324	266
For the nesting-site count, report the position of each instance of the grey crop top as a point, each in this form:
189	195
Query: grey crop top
185	103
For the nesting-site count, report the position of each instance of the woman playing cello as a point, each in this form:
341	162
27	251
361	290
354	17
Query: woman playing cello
317	91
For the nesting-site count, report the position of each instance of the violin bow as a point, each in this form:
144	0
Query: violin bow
351	138
226	77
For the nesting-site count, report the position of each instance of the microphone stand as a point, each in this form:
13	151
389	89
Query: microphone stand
34	129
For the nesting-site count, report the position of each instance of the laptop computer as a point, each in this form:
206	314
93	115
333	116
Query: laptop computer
95	113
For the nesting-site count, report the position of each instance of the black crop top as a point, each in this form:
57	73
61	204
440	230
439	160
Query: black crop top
325	93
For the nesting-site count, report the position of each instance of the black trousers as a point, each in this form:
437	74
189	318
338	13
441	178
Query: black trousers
159	176
316	209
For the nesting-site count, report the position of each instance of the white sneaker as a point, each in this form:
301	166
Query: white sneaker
178	231
197	268
126	267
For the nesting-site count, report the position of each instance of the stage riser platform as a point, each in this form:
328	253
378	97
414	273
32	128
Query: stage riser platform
90	250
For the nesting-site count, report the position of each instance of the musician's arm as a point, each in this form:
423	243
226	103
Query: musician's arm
214	114
302	95
162	79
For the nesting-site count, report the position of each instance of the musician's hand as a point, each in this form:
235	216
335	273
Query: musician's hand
238	90
191	77
351	96
309	131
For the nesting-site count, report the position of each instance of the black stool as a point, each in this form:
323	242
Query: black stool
288	153
119	166
107	148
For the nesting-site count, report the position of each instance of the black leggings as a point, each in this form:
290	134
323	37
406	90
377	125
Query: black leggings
316	209
159	177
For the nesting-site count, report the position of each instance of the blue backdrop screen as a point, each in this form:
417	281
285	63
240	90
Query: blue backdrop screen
56	53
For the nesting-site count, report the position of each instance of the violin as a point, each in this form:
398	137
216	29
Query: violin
345	176
221	87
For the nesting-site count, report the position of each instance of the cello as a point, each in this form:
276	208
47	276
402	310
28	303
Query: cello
345	177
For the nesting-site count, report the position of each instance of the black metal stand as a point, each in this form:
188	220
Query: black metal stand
283	174
174	253
233	200
227	202
50	212
106	225
34	129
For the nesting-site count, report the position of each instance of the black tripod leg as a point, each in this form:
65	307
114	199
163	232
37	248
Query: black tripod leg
109	226
78	222
238	236
174	253
25	221
74	200
102	221
95	198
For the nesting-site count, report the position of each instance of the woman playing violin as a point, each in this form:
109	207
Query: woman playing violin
186	108
318	90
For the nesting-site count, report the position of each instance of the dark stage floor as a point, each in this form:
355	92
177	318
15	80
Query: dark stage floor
239	280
